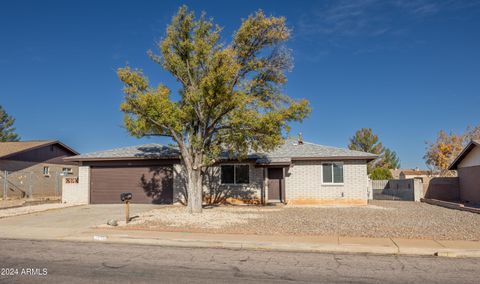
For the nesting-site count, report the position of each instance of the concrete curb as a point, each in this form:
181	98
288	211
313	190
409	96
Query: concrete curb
297	247
451	205
279	246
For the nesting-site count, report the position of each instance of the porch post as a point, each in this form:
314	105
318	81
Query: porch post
284	199
5	185
265	185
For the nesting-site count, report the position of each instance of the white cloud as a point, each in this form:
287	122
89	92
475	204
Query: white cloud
371	17
380	24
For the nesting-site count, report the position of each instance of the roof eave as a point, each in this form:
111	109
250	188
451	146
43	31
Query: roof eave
67	147
330	158
273	164
87	159
465	151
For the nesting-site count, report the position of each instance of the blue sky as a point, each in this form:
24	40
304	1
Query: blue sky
405	69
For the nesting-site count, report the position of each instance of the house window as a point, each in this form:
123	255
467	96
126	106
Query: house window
67	170
332	173
46	171
241	174
235	174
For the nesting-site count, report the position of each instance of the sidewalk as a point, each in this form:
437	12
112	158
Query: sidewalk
77	224
285	243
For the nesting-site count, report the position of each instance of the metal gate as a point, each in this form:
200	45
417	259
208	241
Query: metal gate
397	189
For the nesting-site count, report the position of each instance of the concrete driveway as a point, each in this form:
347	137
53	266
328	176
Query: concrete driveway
61	223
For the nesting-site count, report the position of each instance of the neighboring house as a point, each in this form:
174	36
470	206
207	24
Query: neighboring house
35	166
396	173
412	173
467	164
424	175
295	173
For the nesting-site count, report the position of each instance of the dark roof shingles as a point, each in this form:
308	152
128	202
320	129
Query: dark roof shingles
141	151
283	154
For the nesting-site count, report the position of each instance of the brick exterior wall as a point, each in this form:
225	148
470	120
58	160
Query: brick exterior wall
28	177
179	184
303	184
214	190
249	193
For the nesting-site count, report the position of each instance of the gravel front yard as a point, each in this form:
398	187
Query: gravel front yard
379	219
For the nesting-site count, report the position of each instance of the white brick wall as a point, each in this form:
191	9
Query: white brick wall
77	193
240	191
179	184
212	185
304	181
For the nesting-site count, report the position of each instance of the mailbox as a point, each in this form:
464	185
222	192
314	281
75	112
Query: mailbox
126	196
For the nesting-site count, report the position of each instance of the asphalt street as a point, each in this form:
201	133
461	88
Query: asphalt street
23	261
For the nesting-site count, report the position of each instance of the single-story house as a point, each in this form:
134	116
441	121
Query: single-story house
396	173
297	172
467	164
35	167
416	173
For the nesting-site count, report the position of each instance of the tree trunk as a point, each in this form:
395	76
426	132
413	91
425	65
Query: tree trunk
195	191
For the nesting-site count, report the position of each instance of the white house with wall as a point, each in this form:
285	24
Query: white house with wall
467	164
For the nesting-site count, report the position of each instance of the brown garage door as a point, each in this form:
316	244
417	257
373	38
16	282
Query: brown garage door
153	184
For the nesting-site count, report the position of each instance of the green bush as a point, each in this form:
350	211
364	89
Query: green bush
381	173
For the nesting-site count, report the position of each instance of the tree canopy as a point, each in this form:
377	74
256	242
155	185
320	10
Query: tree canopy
7	131
231	97
447	146
389	160
472	133
367	141
380	173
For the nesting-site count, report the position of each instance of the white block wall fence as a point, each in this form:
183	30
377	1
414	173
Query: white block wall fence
76	190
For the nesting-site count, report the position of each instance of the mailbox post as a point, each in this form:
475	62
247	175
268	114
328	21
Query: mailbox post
126	197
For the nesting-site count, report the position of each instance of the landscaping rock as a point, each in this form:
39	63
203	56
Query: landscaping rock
112	222
380	219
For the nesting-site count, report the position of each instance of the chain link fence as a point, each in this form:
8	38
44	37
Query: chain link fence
24	184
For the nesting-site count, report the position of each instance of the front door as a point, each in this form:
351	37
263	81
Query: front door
275	177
